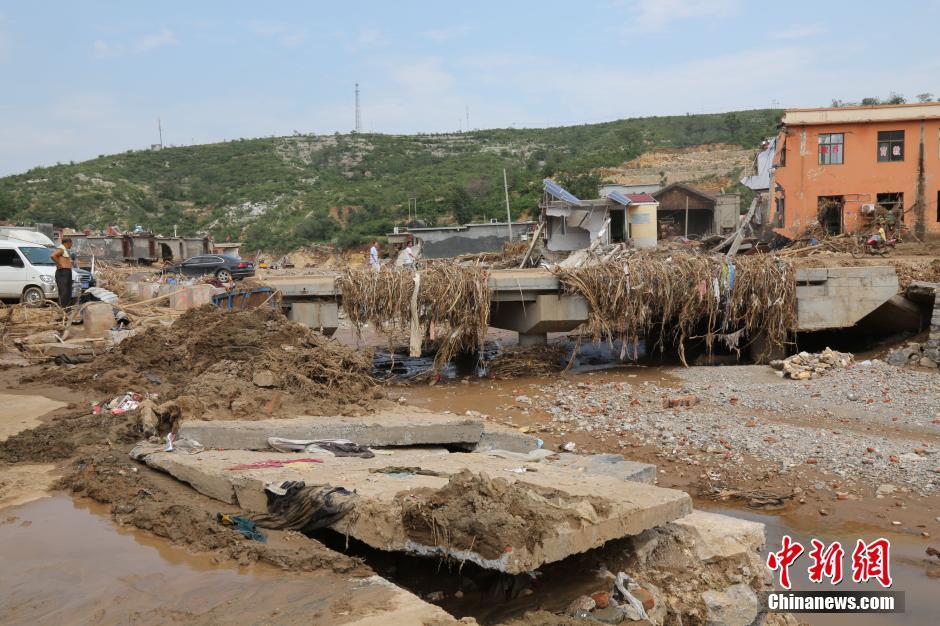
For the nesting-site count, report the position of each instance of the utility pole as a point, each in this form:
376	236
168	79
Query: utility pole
468	118
160	132
358	112
508	214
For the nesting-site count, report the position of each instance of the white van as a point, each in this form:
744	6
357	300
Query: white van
27	273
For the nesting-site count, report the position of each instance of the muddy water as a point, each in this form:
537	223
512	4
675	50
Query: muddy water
65	562
908	570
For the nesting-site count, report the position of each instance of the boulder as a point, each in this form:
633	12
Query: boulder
735	606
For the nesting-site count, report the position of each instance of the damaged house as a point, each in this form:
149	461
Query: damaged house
857	168
573	224
691	212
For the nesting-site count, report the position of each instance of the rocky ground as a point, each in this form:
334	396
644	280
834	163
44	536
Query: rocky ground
855	443
874	422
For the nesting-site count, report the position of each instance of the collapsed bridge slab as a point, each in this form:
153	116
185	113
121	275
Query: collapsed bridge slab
391	428
568	513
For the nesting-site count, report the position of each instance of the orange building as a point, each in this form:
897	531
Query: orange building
853	169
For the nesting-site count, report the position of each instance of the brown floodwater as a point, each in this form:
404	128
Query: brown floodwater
63	561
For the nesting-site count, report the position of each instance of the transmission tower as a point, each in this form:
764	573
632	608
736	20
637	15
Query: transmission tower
358	112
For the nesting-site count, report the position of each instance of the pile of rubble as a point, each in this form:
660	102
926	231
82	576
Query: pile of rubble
915	353
805	365
213	362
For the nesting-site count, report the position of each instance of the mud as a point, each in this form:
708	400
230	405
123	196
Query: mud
75	566
462	514
62	437
138	497
247	364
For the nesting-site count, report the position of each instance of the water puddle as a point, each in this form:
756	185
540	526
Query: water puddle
65	562
907	570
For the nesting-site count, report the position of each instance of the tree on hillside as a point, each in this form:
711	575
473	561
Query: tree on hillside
582	185
316	227
461	204
732	123
925	97
895	98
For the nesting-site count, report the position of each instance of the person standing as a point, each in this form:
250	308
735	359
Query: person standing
374	255
62	258
409	259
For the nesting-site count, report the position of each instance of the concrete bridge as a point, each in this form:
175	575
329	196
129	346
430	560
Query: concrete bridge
530	303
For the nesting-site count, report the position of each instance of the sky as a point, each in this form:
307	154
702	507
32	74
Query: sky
81	79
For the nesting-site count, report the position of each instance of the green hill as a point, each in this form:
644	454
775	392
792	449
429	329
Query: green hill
280	193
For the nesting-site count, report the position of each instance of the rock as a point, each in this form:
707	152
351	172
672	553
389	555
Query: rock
264	378
608	615
735	606
580	606
646	542
885	489
524	399
925	362
645	597
721	537
602	599
900	357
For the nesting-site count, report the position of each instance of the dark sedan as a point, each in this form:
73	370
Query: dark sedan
224	267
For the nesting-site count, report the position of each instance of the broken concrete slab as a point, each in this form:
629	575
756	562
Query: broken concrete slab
721	537
496	437
612	465
71	347
393	428
608	508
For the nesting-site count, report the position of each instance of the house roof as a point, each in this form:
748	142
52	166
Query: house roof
861	114
687	188
640	198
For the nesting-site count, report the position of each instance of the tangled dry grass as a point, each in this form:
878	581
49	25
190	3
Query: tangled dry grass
687	296
447	302
518	361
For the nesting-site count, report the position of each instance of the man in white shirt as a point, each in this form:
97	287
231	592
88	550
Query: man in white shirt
408	260
374	256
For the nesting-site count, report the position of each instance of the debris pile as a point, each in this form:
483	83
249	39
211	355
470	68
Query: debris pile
524	513
516	361
915	353
210	360
805	365
686	296
446	302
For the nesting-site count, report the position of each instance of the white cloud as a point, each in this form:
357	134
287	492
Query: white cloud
446	34
801	31
370	37
282	32
426	76
164	37
655	15
101	49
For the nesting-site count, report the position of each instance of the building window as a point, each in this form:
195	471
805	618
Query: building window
831	149
892	205
890	145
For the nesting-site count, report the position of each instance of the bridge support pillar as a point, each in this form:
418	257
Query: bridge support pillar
533	339
320	315
534	319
